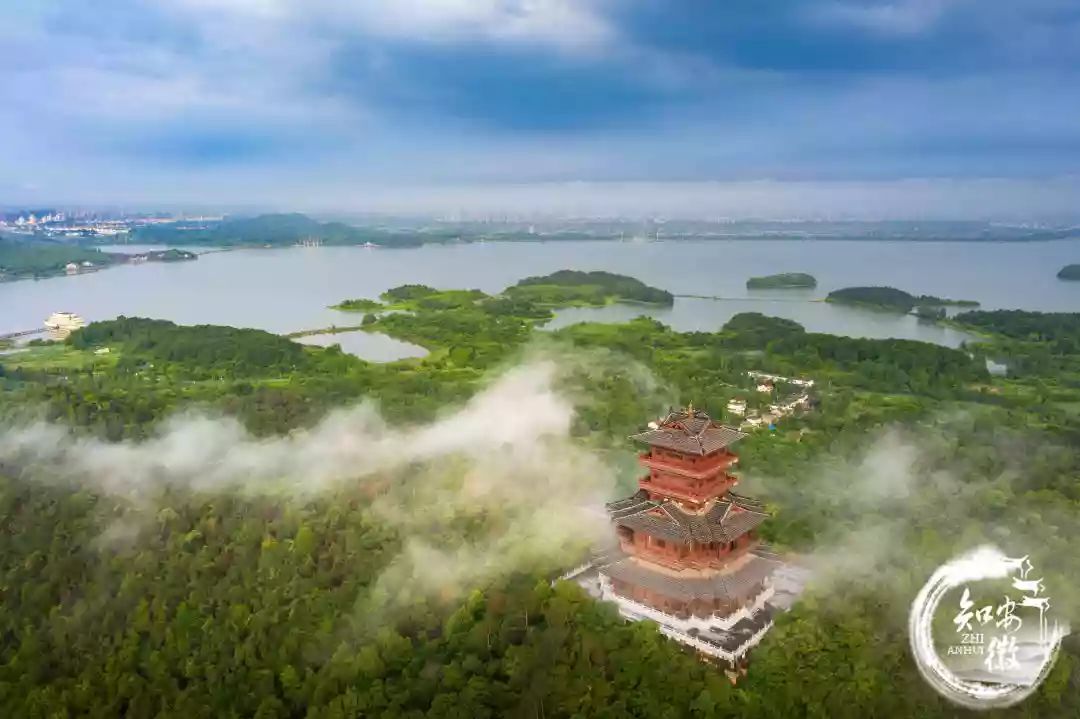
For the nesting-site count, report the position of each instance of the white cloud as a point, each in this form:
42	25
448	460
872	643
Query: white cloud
567	24
563	23
895	17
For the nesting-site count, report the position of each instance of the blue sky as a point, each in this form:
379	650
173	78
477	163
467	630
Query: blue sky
395	104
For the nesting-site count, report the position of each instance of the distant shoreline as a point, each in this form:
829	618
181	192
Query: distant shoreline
104	261
621	240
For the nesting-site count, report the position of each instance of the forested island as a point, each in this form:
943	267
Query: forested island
783	280
884	298
572	287
1069	272
894	300
301	598
169	255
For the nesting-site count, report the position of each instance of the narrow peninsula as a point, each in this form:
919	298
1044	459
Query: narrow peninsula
39	259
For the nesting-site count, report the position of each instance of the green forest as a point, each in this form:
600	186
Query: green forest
567	287
885	298
201	601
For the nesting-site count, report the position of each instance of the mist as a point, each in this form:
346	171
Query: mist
507	464
505	459
891	510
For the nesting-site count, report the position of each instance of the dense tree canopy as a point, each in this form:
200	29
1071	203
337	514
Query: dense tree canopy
888	298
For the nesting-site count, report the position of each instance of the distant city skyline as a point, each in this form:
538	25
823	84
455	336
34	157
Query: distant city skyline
856	109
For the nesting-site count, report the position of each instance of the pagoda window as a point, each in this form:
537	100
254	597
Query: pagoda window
660	543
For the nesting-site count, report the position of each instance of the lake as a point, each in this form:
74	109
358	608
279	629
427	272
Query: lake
373	346
290	289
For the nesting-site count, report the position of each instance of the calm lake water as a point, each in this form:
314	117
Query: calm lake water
285	290
371	346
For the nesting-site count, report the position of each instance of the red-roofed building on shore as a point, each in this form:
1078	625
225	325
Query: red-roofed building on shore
688	554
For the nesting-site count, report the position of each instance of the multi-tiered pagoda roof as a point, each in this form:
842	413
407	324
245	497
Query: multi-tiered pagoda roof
690	432
724	520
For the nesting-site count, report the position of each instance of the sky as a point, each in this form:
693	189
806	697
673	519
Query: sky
884	108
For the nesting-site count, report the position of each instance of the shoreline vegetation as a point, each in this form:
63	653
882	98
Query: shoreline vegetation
783	280
893	300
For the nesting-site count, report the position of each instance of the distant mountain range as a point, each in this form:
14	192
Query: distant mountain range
274	230
296	228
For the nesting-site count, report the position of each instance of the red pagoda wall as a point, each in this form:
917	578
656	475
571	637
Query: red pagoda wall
659	484
690	462
687	477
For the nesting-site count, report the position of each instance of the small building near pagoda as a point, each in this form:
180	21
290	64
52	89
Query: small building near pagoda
688	555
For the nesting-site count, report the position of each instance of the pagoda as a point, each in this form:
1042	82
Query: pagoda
688	554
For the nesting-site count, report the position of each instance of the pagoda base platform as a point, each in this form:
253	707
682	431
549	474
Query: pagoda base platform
728	645
725	639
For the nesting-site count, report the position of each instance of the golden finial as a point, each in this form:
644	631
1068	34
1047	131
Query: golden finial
690	410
